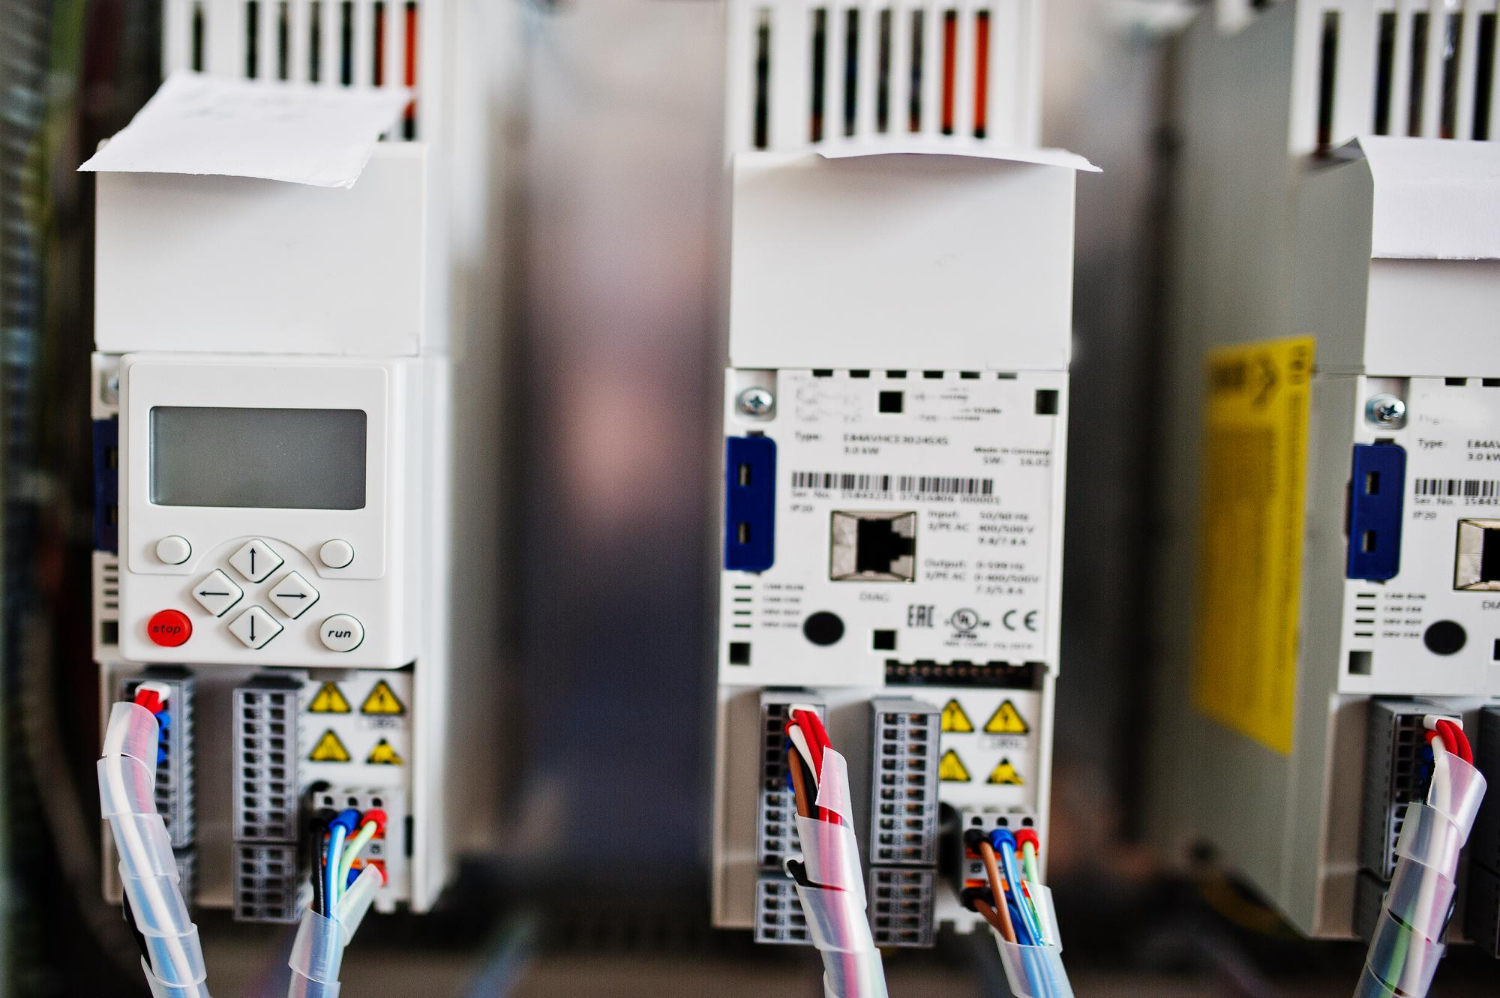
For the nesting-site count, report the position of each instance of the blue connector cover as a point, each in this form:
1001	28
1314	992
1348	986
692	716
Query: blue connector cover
1377	491
107	485
749	504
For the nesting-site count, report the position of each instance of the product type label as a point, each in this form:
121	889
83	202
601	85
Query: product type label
1250	569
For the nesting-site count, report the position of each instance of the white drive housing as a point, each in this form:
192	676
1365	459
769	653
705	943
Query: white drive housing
895	422
312	334
1382	256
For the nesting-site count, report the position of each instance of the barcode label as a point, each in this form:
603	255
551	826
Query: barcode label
911	484
1459	488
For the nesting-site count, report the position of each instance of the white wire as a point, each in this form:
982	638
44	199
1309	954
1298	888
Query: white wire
799	741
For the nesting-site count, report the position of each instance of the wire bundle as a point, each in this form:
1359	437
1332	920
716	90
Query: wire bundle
1407	944
1019	909
171	955
341	895
829	881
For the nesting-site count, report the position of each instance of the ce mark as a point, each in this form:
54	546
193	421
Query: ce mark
1009	620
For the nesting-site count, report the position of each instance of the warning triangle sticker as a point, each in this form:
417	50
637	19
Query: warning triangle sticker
382	700
955	721
951	768
329	700
383	755
1006	773
1006	720
329	749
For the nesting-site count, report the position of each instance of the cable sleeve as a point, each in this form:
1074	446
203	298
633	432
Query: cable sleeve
173	964
833	902
318	950
1407	944
1037	971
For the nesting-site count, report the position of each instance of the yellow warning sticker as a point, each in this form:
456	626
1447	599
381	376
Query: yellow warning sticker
383	755
1250	570
1006	720
1006	773
329	700
951	768
382	700
955	721
329	749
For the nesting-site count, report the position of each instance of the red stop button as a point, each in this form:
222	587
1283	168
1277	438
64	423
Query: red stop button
169	628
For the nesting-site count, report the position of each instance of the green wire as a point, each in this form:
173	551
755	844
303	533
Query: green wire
1028	855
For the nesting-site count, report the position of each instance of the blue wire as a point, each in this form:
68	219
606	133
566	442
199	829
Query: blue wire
335	850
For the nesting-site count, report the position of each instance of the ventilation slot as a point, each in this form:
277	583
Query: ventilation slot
1452	42
819	72
851	69
1417	86
914	105
950	68
1385	66
1484	77
981	72
1328	74
762	115
883	75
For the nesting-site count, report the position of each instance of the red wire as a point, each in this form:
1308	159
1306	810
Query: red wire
149	699
1458	742
817	740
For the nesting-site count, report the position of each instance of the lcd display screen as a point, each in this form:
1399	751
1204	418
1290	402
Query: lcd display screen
258	458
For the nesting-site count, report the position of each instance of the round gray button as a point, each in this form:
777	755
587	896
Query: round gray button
174	550
336	554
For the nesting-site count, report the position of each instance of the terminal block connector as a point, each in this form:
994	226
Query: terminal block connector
776	826
1397	772
265	761
266	882
778	911
904	799
175	788
902	901
970	869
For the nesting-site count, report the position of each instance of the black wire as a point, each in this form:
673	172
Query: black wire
135	930
315	853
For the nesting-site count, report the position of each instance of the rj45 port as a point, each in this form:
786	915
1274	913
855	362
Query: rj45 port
1478	563
874	547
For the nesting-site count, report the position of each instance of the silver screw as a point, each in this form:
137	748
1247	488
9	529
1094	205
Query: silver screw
109	391
1386	410
756	401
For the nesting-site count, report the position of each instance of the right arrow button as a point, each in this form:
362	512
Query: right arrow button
293	595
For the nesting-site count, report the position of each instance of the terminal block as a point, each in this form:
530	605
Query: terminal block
778	911
389	850
970	870
904	795
266	882
1397	772
175	798
265	761
776	827
901	902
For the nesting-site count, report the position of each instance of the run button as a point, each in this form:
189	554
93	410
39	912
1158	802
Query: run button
341	632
